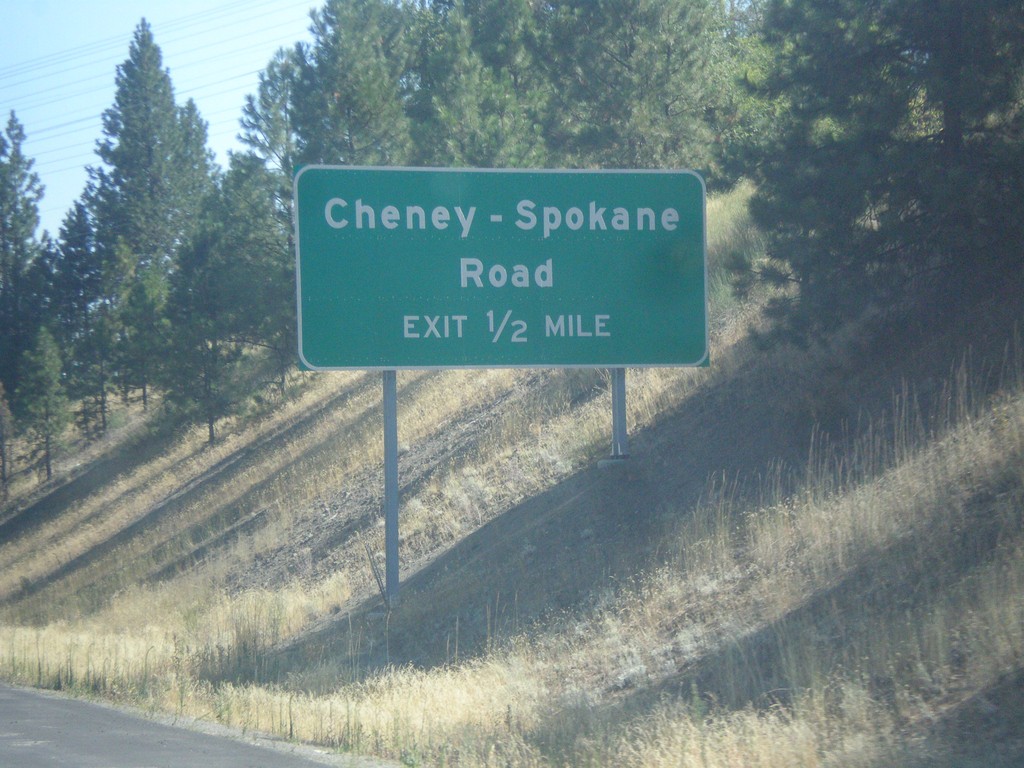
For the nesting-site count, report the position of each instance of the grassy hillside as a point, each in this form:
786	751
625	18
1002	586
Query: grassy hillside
813	557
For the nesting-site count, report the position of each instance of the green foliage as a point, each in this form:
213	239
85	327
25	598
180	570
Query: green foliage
76	280
465	111
233	291
194	170
146	203
168	273
41	399
348	94
199	380
84	332
20	192
743	117
6	443
896	172
628	81
258	271
92	371
143	329
267	125
134	196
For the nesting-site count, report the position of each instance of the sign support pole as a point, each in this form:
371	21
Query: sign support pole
390	487
620	440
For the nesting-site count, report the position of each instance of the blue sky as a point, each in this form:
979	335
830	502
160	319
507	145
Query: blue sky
58	60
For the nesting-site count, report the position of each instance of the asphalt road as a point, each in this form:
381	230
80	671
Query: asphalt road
46	730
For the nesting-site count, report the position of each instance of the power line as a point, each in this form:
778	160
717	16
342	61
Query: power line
50	138
214	126
116	43
117	58
219	55
186	60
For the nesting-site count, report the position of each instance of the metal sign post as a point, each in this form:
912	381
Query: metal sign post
620	440
390	487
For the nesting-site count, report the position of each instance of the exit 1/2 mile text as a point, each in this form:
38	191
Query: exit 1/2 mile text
555	326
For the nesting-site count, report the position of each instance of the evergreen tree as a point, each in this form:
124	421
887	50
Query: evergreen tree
194	170
199	377
6	444
255	265
742	118
143	330
897	172
463	111
349	92
92	371
232	293
627	80
436	66
146	202
82	333
20	193
77	276
501	32
268	127
136	202
41	400
258	200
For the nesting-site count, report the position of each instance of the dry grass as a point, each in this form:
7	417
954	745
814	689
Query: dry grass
809	616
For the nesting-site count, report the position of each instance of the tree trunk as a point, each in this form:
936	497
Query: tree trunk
953	87
3	468
103	407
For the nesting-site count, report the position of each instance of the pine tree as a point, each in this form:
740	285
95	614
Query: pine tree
194	170
349	94
77	292
143	330
77	275
146	202
256	266
136	204
41	399
6	443
501	32
465	112
627	79
268	126
20	193
258	197
93	371
896	174
200	380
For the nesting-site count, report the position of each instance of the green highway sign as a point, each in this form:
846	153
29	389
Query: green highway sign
438	268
